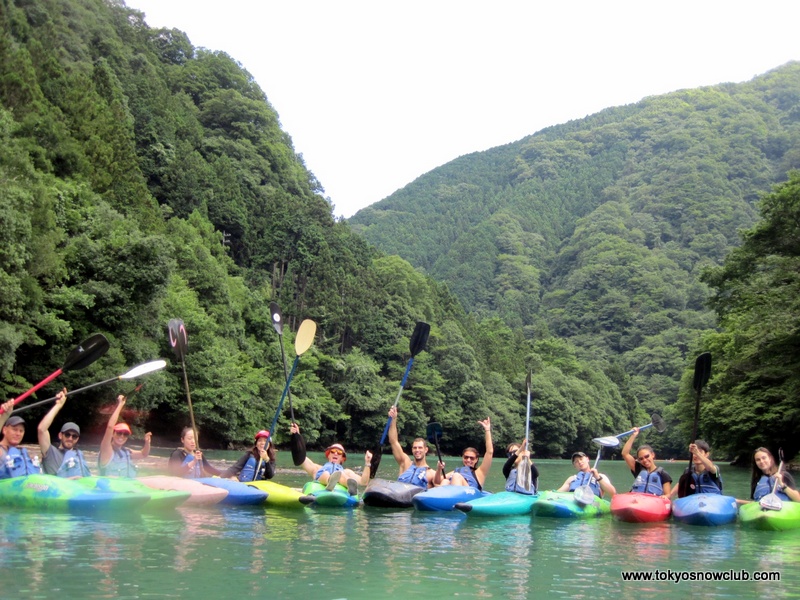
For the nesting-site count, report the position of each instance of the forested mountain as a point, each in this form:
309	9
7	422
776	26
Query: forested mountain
597	231
145	179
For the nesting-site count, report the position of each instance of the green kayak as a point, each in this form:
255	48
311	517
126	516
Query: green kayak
56	494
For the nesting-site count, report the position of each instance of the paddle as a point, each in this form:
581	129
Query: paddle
613	440
142	369
180	343
584	494
772	501
434	434
702	373
84	354
297	443
524	469
419	338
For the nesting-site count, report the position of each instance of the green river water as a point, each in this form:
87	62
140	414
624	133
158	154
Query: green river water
309	554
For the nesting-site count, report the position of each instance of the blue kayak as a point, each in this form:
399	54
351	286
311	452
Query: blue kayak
446	497
238	493
705	509
384	493
501	504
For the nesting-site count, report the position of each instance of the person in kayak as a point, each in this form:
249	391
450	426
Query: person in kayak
15	461
470	474
333	471
648	478
765	474
515	452
188	460
258	464
701	476
65	460
114	459
599	483
414	469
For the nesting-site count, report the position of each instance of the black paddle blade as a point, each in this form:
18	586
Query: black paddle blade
377	452
434	432
659	424
178	338
277	317
88	351
419	338
702	371
298	446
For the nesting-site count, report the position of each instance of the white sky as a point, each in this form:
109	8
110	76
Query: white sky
375	93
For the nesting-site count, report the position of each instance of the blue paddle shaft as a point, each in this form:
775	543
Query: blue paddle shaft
283	396
631	431
396	400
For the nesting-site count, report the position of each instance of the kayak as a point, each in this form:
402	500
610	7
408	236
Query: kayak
159	499
51	493
753	514
389	494
445	497
705	509
501	504
636	507
239	494
316	494
200	494
563	505
277	494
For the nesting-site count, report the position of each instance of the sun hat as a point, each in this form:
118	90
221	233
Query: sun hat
337	447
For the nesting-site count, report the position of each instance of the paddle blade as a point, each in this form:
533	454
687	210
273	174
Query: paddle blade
771	502
144	369
298	446
434	432
524	474
377	453
702	371
178	339
88	351
305	336
584	495
659	424
419	338
608	441
277	317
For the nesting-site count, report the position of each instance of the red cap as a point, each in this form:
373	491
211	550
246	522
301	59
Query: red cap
122	427
263	433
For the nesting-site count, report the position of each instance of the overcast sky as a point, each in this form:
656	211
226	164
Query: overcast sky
376	93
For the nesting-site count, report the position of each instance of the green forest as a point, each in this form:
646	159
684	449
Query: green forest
144	179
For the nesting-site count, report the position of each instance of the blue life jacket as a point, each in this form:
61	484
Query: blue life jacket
194	472
248	472
649	483
415	476
468	473
73	464
329	468
511	484
703	483
764	487
120	465
585	478
16	462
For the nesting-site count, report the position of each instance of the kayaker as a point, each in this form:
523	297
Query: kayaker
414	469
334	471
258	464
765	474
470	474
515	452
65	460
188	460
14	461
701	476
598	482
648	478
114	459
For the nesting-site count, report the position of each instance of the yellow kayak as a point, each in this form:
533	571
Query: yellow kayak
278	495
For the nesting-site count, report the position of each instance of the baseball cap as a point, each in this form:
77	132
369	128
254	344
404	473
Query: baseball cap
578	455
262	434
15	421
70	426
122	427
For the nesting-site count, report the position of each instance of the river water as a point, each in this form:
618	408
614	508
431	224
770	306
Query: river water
364	553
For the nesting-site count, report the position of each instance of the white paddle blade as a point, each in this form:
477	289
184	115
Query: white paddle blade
608	441
771	502
144	369
524	474
305	336
584	495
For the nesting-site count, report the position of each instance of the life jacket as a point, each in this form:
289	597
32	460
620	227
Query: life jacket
73	464
248	472
468	473
415	476
702	483
511	484
329	468
764	487
120	465
585	478
195	472
649	483
17	462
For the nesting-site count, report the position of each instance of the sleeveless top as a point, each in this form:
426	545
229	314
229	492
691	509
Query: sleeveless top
120	465
468	473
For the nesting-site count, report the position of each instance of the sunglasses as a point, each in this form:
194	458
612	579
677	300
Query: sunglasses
335	451
71	435
645	456
122	433
470	457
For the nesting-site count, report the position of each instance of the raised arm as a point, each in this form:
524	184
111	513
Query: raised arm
483	471
44	425
106	451
397	450
364	480
626	450
145	451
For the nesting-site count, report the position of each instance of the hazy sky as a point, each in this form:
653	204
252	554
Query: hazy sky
376	93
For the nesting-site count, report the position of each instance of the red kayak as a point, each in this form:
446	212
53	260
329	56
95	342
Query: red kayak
635	507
